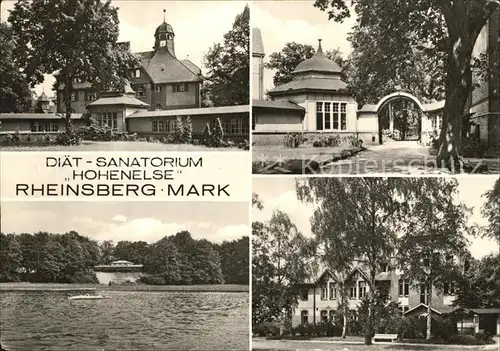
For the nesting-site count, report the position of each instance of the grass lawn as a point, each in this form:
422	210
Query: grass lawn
23	286
119	146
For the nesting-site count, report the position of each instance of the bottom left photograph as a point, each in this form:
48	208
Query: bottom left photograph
124	275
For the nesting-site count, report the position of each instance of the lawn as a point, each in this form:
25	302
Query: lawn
119	146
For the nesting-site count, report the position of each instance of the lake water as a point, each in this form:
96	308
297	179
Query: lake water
47	320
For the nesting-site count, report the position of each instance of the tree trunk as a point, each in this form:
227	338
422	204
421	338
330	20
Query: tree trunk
458	85
429	311
68	89
369	321
344	326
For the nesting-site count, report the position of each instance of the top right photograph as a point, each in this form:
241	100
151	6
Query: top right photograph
358	87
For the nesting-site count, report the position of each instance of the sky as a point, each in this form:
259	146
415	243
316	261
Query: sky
279	193
197	25
133	221
301	22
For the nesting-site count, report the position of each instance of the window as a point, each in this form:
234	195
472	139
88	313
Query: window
163	126
324	292
90	96
404	287
157	88
324	316
304	317
74	97
449	288
181	87
233	125
304	294
254	121
343	116
137	73
362	289
108	119
437	123
353	293
333	291
423	294
331	315
406	309
319	115
163	43
140	92
331	115
426	262
44	127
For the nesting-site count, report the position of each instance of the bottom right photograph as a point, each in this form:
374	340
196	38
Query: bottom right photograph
400	262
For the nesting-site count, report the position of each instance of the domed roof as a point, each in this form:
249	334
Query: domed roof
164	28
318	63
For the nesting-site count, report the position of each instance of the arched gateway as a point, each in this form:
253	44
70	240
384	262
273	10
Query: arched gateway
427	121
407	128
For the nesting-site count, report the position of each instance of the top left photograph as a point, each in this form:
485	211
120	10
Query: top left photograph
97	75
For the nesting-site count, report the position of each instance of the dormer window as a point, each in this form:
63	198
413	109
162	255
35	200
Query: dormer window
137	73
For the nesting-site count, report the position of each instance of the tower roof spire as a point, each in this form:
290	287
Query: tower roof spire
164	15
320	49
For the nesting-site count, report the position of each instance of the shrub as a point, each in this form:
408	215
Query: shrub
187	132
244	145
321	140
218	134
178	130
68	137
152	279
293	140
267	329
473	147
207	135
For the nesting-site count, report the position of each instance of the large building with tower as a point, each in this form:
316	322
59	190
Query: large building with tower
162	87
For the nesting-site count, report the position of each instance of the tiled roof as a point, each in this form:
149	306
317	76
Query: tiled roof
257	45
162	67
368	108
310	84
280	104
38	116
195	69
434	106
192	111
126	100
318	63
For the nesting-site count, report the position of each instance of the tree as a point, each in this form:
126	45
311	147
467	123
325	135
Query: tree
491	210
440	27
234	257
75	39
279	263
228	64
10	258
479	286
15	95
434	238
285	61
106	251
364	225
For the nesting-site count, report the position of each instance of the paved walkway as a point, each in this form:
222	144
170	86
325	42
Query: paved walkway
318	345
403	157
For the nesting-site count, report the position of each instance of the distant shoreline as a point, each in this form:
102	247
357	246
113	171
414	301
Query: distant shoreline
23	286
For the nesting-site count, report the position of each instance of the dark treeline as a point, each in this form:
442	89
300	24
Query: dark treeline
69	258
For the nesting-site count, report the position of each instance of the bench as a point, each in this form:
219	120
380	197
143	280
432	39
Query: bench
385	337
